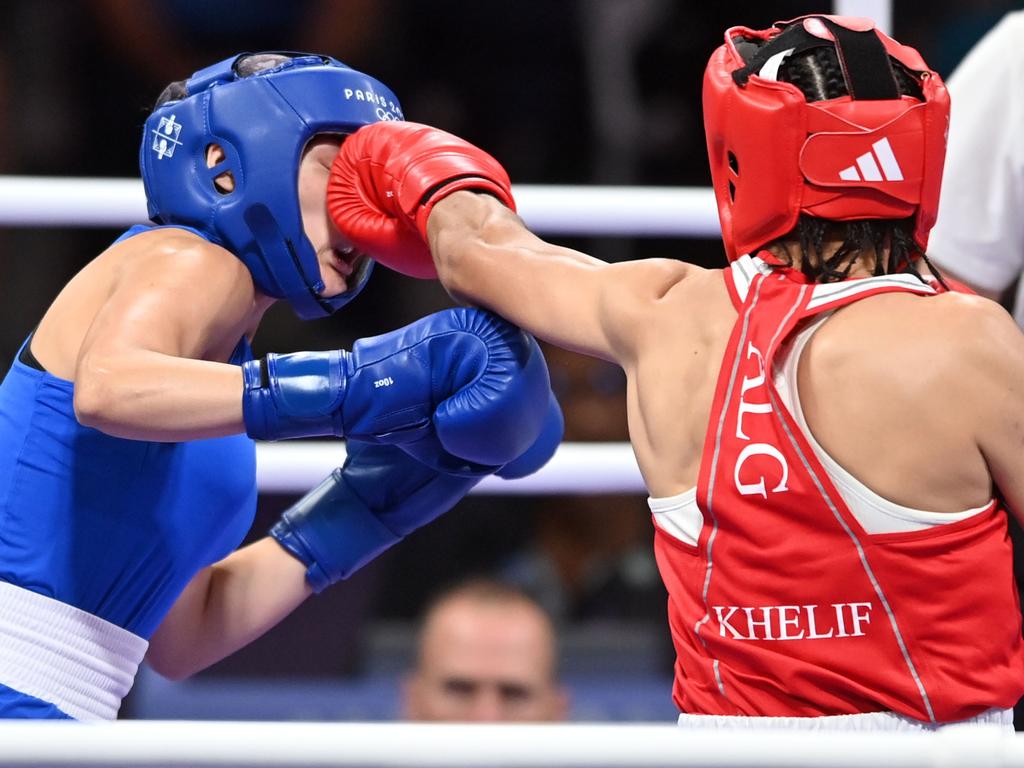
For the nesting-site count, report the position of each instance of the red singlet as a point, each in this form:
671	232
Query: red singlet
786	606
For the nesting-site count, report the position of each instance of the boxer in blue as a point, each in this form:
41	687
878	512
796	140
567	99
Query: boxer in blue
127	461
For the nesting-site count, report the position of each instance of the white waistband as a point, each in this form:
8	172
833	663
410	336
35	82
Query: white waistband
867	721
78	662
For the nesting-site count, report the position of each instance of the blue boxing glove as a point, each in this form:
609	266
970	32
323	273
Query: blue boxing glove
543	448
379	496
458	383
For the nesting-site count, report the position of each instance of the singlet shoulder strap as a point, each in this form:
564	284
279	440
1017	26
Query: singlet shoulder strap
740	275
25	356
834	295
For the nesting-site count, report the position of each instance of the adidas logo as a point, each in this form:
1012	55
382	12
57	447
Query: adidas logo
869	170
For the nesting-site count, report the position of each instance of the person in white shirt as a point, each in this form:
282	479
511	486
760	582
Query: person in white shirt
979	235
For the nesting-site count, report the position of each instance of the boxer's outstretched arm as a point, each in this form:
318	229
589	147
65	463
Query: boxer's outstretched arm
485	255
397	188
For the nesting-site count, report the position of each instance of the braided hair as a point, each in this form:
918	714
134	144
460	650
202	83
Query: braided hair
246	66
819	75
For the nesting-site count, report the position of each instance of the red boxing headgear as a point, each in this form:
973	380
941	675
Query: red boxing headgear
870	155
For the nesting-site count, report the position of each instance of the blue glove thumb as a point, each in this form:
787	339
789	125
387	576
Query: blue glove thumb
543	448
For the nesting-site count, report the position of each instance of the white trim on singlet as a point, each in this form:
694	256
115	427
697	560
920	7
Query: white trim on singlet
829	292
745	268
715	453
861	722
679	516
78	662
875	513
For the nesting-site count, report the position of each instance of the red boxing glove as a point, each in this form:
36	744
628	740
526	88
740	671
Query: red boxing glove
387	178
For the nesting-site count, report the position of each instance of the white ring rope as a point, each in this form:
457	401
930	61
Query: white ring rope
590	468
185	743
576	468
552	210
879	10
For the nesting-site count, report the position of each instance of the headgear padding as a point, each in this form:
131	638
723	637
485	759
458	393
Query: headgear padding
263	121
872	154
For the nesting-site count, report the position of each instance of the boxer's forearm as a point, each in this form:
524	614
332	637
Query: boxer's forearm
145	395
485	256
226	607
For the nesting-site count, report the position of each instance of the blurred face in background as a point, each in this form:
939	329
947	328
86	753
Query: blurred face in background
490	661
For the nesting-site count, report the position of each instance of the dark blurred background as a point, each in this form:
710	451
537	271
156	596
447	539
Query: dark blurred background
562	92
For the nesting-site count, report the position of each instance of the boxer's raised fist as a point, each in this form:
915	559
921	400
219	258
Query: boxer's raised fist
461	382
387	178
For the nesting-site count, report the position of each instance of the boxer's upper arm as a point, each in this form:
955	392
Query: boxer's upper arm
147	366
998	368
170	651
172	299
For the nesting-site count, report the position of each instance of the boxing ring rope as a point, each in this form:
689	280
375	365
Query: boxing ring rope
52	201
576	468
186	743
297	466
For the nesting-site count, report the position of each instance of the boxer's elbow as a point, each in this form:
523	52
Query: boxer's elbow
171	666
96	396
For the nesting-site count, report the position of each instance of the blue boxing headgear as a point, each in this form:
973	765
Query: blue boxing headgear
263	121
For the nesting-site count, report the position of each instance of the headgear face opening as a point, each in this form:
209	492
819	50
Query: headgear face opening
872	154
263	122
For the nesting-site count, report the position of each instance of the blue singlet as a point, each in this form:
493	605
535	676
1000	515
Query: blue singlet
112	526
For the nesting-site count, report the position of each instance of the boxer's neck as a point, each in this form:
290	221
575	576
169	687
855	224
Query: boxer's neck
791	250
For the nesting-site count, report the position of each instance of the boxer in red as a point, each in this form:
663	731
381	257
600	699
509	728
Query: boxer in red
830	437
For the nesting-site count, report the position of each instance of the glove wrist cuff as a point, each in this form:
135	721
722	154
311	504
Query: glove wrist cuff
253	391
332	532
294	395
285	535
472	183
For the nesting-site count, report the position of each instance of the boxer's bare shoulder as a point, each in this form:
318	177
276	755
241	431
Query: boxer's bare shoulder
133	291
924	376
